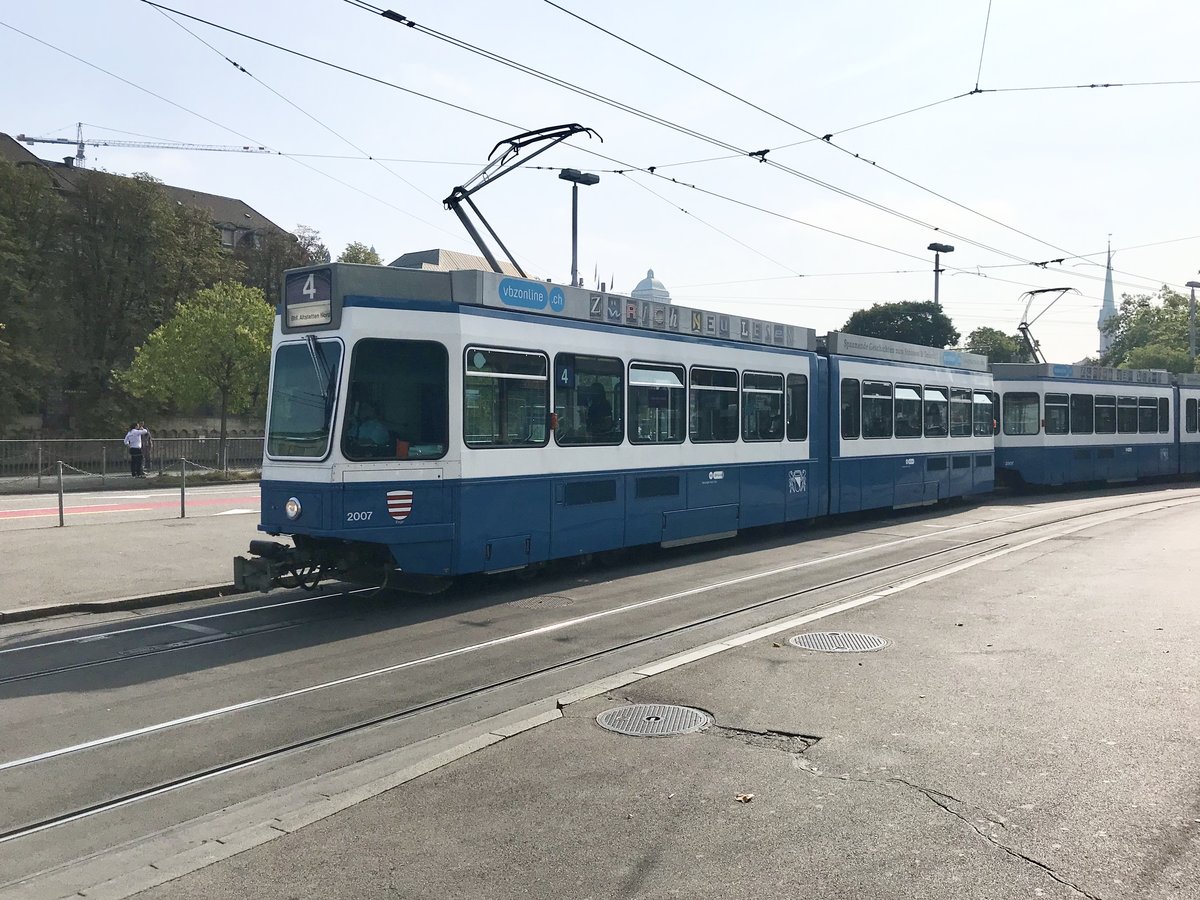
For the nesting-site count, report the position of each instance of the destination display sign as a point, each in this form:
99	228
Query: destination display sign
308	300
507	292
841	343
1088	373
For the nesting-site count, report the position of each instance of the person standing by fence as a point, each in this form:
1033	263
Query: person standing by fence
134	440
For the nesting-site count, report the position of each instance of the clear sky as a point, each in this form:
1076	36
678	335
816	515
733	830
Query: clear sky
1056	171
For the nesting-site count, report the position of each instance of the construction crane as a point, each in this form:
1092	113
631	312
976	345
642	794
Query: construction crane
79	143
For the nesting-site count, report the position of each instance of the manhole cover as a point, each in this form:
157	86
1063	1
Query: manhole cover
653	719
547	601
838	642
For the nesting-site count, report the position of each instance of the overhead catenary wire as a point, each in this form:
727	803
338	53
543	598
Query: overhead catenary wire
826	139
648	170
298	108
682	129
983	45
199	115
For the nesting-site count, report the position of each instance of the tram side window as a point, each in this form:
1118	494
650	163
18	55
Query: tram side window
937	411
850	408
588	392
398	406
1127	415
1164	415
1022	412
762	406
1190	416
1106	415
1081	414
1058	419
1147	415
985	414
960	412
505	396
657	403
797	407
713	405
908	410
877	409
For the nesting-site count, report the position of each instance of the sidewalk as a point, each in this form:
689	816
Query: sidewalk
43	570
1031	731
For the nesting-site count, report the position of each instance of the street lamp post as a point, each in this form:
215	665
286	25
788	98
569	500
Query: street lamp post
576	178
1192	322
938	250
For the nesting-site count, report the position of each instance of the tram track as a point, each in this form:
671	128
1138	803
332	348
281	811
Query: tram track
948	558
140	653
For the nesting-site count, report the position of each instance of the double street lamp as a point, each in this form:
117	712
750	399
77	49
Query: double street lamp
576	178
938	250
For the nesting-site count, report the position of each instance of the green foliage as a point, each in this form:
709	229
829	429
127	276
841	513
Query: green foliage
266	259
1157	356
127	256
356	252
914	322
997	346
216	347
30	217
1155	326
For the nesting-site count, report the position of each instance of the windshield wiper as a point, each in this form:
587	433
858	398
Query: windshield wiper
322	370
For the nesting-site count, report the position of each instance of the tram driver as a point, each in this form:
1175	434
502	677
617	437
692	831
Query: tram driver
369	436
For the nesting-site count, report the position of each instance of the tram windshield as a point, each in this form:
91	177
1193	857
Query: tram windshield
303	390
397	403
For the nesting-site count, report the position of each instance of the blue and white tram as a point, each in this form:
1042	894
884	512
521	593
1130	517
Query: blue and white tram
435	424
1061	424
1187	422
913	425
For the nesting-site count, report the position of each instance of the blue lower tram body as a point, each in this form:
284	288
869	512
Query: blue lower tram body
460	527
1071	465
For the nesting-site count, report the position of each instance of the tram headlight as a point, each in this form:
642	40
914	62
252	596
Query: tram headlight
292	508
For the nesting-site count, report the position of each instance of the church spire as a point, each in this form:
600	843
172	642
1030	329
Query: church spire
1108	308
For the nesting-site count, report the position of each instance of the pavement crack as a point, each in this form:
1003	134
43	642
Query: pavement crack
944	801
768	739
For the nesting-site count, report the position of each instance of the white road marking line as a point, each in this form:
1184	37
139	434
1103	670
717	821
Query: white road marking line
200	629
235	512
559	626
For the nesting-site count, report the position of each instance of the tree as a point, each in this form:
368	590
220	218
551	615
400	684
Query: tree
1146	321
266	258
914	322
360	253
217	347
30	224
997	346
128	255
1158	356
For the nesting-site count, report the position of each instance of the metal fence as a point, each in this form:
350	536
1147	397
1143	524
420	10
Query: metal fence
33	464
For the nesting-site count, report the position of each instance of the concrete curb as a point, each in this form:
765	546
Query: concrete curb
140	601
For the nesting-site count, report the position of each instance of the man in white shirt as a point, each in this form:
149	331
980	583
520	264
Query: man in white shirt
134	440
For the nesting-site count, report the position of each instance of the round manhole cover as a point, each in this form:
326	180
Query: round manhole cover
546	601
653	720
838	642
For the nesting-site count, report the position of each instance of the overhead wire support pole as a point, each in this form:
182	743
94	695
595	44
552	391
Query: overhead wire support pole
497	167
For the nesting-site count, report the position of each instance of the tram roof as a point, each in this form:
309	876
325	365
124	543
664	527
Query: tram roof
526	295
841	343
1084	373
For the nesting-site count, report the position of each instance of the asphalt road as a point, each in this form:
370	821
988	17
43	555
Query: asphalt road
993	750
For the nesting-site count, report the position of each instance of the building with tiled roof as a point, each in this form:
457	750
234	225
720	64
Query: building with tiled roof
237	221
447	261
